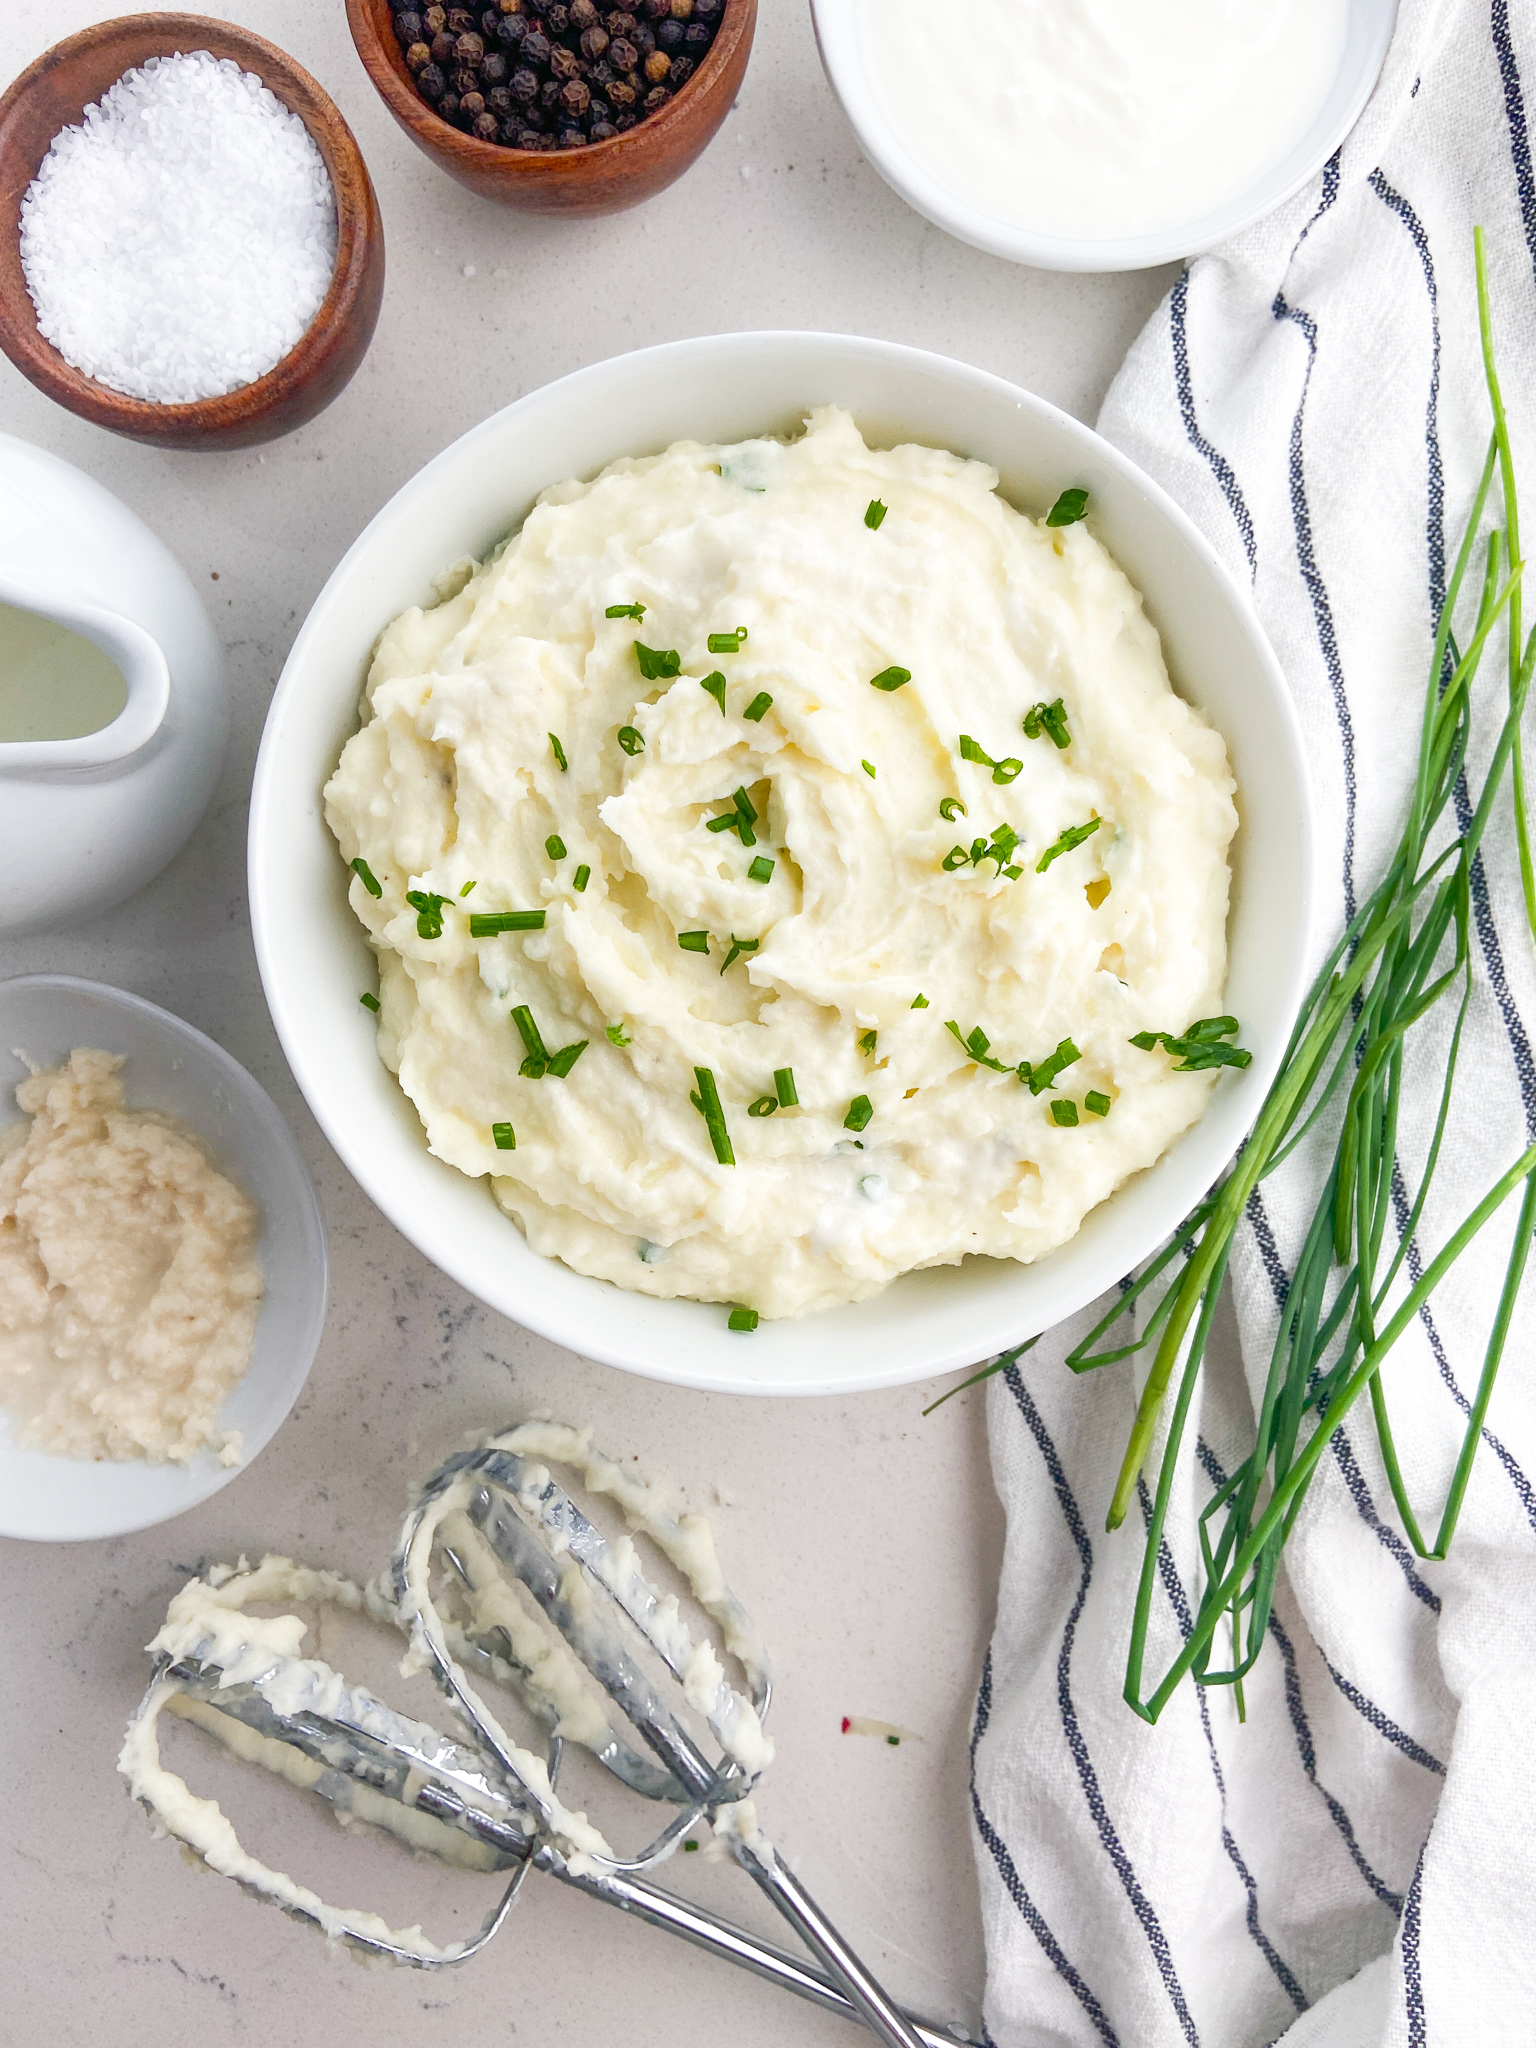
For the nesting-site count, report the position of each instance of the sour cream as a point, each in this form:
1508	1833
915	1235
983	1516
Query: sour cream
1102	118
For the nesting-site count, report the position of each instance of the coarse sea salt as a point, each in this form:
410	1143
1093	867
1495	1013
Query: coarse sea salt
178	243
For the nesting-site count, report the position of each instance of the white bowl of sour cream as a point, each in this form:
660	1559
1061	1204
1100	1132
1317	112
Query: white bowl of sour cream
316	963
1100	134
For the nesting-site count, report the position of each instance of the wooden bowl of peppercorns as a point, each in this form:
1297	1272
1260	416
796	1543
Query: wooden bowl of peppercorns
557	106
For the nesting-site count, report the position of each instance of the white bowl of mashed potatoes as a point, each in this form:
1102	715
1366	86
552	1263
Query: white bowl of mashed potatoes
753	894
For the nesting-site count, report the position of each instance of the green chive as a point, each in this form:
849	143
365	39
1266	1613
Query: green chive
784	1087
693	942
466	888
1068	508
890	679
745	806
429	912
707	1102
554	846
867	1042
951	808
1038	1079
580	879
484	924
1073	836
978	1045
919	1003
631	741
617	1035
1013	873
860	1110
867	770
739	946
765	1105
1147	1040
957	857
1199	1049
566	1058
657	663
366	876
369	1002
757	707
1008	770
715	685
533	1068
743	1319
727	821
894	1741
559	752
1096	1102
504	1137
625	611
970	751
690	1845
727	643
761	869
874	512
1049	719
1064	1112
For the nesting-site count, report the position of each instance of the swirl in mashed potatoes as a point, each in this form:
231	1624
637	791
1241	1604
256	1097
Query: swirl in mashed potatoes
520	739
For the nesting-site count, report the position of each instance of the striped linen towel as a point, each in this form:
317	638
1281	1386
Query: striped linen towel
1356	1864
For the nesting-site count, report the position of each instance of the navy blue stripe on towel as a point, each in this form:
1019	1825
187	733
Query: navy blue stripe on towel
1408	1941
1142	1906
1221	469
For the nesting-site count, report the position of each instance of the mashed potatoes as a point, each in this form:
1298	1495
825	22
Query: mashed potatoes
773	871
128	1289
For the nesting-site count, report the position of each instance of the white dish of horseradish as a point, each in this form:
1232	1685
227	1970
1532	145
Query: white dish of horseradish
1101	134
814	894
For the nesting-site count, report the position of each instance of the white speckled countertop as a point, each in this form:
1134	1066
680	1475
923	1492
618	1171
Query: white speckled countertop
852	1528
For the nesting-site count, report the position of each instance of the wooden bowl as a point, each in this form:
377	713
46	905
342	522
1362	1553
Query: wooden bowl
52	94
603	177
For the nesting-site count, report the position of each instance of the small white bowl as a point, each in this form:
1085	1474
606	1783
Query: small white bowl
173	1068
314	960
841	43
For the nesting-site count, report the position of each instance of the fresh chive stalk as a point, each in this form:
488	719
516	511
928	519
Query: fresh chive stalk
952	808
658	663
429	912
468	886
1073	836
874	512
1096	1102
366	876
559	752
867	1042
1006	770
369	1002
868	770
727	643
1064	1112
554	846
503	1137
707	1103
566	1058
714	683
693	942
784	1087
580	879
484	924
919	1003
860	1110
738	947
742	1319
761	869
765	1105
758	707
890	679
1068	508
630	740
536	1065
1048	721
625	611
617	1035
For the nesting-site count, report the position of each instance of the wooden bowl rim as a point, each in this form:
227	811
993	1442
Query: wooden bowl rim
443	139
351	188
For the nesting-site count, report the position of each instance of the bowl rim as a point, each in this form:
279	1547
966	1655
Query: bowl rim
1368	34
357	232
210	1477
441	139
272	776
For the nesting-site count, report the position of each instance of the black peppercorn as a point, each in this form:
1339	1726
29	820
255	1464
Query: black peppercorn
708	12
622	93
464	81
490	21
408	27
524	85
602	131
493	69
600	76
572	138
599	110
626	120
696	39
643	40
657	10
657	66
472	104
459	19
558	18
656	99
536	48
434	20
594	41
430	82
487	127
417	57
469	48
620	24
623	55
576	97
669	36
442	48
549	95
682	71
499	100
564	64
584	15
512	31
448	106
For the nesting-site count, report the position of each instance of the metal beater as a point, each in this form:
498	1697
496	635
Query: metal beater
488	1522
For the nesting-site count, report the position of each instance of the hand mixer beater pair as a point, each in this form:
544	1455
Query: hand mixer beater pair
498	1570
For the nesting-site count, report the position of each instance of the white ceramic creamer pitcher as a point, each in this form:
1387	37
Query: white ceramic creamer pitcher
86	820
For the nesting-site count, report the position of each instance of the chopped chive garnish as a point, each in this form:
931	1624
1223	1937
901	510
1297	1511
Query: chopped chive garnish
890	679
1068	508
1013	873
999	848
919	1003
1064	1112
559	752
860	1110
707	1103
727	643
726	822
1096	1102
1050	719
742	1319
1038	1079
466	888
503	1137
566	1058
978	1045
765	1105
617	1035
580	879
690	1844
1002	771
631	741
784	1087
761	869
484	924
538	1057
366	876
745	805
1073	836
757	707
429	912
715	685
868	770
693	942
657	663
867	1041
554	846
894	1741
874	512
625	611
1200	1048
738	947
952	808
957	857
369	1002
